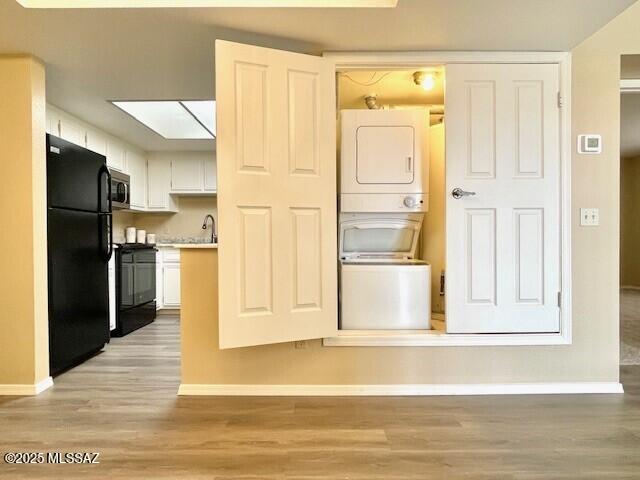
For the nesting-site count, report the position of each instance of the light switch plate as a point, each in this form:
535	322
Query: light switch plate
589	217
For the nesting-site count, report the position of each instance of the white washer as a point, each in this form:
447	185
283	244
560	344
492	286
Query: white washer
382	285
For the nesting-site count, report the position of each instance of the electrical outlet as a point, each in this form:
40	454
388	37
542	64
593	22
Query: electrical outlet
589	217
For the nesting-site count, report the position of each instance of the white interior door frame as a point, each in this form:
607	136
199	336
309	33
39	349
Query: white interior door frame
345	61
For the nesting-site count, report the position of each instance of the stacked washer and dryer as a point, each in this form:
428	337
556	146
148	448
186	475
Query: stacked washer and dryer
384	194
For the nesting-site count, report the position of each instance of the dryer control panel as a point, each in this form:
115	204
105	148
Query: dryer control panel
385	202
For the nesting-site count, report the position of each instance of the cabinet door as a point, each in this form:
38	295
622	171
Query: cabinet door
159	184
159	281
53	121
187	175
138	172
72	131
210	175
116	155
96	142
171	285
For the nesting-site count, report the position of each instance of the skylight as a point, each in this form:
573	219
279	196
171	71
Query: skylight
174	119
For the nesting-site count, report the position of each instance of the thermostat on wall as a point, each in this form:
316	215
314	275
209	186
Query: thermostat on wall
590	143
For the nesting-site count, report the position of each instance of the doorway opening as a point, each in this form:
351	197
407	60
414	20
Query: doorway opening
629	219
400	112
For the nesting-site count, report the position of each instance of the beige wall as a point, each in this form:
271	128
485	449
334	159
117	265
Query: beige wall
24	338
121	220
187	222
593	356
630	222
433	232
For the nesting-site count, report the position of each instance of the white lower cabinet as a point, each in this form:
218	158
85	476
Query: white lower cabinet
168	277
171	285
112	292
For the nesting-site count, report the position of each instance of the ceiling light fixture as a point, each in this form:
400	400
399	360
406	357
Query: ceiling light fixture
427	80
174	119
208	3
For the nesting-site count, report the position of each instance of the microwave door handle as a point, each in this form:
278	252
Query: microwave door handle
126	193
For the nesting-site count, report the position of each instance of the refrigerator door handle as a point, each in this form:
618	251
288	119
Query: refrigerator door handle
109	215
104	170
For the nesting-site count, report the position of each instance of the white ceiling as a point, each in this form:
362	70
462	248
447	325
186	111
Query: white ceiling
156	54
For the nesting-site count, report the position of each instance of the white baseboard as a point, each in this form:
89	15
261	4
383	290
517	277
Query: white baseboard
26	388
402	390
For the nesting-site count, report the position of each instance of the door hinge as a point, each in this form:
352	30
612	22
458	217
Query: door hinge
559	299
560	100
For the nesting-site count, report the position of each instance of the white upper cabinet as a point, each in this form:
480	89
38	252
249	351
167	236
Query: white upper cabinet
116	155
52	121
72	130
137	166
187	174
210	184
96	141
159	183
193	173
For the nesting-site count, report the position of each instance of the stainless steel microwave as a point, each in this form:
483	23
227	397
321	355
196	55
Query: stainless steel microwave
120	190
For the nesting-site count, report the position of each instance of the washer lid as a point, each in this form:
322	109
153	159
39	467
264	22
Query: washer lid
379	238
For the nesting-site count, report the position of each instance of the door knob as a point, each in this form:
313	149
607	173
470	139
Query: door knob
458	193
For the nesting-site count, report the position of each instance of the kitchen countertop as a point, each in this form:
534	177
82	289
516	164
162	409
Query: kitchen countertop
188	245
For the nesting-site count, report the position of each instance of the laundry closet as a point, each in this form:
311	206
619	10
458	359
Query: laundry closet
381	245
390	222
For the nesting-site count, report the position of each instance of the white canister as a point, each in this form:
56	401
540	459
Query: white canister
141	235
130	234
151	238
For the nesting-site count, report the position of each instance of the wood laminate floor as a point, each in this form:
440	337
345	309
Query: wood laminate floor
123	404
629	326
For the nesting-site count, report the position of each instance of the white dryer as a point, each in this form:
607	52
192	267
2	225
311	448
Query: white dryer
384	160
382	285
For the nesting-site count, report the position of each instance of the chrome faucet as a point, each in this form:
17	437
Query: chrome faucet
214	238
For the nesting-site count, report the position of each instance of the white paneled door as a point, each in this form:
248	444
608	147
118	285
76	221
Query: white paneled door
503	238
276	126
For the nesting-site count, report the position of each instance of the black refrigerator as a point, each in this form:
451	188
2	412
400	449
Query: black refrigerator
79	246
